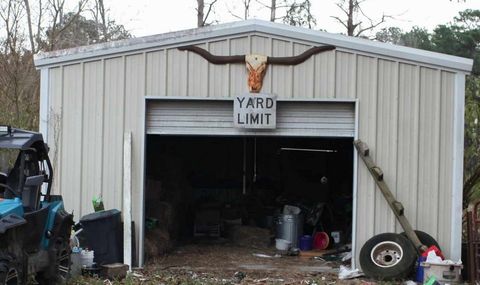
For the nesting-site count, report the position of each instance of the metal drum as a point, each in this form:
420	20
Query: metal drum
289	227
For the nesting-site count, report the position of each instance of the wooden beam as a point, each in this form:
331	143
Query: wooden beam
396	206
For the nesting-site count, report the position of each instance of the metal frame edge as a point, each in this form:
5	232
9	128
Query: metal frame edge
457	181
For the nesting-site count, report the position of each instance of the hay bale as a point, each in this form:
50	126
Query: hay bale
157	242
249	236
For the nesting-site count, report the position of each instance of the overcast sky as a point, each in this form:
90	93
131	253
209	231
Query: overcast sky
148	17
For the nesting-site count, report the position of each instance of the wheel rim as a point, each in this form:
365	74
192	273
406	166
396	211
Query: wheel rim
63	264
386	254
12	277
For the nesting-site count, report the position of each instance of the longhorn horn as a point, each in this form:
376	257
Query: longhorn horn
288	60
294	60
215	59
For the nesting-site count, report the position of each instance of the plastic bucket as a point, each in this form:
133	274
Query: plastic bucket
306	242
86	258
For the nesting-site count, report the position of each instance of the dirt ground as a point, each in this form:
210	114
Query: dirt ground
230	264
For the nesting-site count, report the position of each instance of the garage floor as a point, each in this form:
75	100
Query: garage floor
229	261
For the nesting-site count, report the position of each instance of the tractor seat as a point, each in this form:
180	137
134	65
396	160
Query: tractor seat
30	194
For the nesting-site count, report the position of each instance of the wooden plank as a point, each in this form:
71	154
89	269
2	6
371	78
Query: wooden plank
395	205
127	200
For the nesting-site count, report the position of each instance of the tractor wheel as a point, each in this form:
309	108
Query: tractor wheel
425	239
10	270
388	256
59	270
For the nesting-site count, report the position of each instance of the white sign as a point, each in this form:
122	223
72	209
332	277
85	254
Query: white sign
255	111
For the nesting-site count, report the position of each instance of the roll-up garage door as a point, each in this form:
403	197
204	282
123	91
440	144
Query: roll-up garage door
212	117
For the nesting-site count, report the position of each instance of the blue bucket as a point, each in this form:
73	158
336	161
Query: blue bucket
419	269
306	242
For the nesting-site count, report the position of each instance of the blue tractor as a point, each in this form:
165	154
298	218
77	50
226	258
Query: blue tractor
34	226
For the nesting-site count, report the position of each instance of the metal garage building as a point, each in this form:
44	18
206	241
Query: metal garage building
407	104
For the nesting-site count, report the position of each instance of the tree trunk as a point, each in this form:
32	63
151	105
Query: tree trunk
273	9
200	15
350	26
29	21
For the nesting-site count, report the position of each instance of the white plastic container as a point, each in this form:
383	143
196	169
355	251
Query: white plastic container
443	273
282	244
80	259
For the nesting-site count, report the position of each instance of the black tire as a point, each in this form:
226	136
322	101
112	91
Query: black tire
59	270
10	270
425	239
388	256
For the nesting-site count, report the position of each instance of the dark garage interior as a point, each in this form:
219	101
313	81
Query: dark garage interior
206	189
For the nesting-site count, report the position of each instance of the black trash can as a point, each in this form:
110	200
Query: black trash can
102	232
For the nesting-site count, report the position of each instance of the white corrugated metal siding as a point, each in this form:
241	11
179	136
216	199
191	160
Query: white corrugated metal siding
405	115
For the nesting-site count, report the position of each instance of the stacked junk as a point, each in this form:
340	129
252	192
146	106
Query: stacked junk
392	256
97	244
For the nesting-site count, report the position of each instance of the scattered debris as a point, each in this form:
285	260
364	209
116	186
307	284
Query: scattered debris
266	255
348	273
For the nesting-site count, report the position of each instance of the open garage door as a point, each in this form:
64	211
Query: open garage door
212	117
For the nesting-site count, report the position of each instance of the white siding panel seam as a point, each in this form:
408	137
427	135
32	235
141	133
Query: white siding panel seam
397	128
102	160
438	74
44	103
82	72
419	78
207	47
187	86
457	181
374	156
355	190
165	67
271	69
124	90
61	135
292	72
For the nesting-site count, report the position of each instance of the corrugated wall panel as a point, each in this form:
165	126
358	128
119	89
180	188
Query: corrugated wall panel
197	75
303	74
176	72
238	72
345	75
446	157
408	133
92	135
218	76
55	127
367	131
156	73
263	46
387	126
282	75
324	83
112	188
429	151
134	104
72	149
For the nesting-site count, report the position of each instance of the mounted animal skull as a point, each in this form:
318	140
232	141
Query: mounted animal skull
257	67
256	64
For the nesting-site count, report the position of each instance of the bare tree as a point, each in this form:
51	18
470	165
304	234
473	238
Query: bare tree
202	17
246	5
353	23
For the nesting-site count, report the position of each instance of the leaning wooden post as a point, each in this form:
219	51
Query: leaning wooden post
395	205
127	200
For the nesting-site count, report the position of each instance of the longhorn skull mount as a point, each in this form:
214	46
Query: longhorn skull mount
256	64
